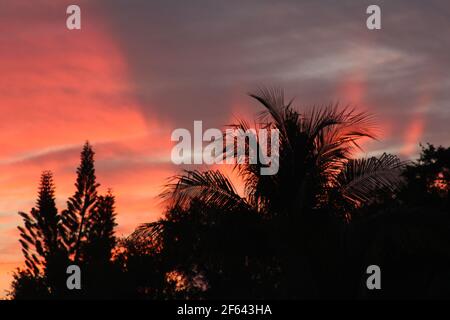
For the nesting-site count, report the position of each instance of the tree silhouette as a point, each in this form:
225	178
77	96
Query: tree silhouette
314	159
26	286
428	179
83	234
101	238
81	207
89	223
310	230
41	240
315	165
97	249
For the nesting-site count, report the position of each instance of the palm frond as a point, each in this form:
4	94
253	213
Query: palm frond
151	230
273	100
210	187
361	178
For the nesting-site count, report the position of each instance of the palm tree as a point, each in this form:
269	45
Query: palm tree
316	174
315	150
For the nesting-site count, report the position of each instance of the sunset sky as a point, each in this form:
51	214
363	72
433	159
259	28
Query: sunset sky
139	69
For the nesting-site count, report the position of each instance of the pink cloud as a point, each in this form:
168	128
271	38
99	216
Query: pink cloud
59	88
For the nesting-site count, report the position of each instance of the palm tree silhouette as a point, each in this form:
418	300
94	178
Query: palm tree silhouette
316	174
314	162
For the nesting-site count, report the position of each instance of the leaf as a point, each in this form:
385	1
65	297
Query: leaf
360	178
210	187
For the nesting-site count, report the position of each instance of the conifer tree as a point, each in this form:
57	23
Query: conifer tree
96	251
81	206
101	239
82	234
41	241
39	236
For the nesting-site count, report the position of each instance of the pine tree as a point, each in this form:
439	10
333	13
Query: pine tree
89	228
82	234
81	206
97	250
40	237
101	239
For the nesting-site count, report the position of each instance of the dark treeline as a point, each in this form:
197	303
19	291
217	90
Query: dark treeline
83	235
309	231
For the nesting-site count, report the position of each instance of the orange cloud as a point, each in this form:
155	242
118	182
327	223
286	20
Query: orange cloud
57	89
416	127
412	136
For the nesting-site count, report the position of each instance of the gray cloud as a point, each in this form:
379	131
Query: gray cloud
189	59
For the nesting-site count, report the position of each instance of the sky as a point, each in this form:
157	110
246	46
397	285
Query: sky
137	70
